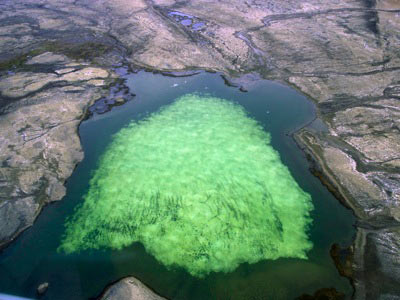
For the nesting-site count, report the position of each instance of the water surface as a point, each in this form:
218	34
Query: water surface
199	185
277	109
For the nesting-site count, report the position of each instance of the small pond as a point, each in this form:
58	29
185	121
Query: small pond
196	189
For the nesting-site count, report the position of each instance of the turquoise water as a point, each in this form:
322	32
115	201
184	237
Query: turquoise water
278	254
199	185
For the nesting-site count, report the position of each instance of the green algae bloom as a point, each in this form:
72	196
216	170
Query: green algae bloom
200	186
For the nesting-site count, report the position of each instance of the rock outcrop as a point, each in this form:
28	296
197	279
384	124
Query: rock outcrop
39	145
128	289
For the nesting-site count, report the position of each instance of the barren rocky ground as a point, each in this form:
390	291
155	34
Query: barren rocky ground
57	57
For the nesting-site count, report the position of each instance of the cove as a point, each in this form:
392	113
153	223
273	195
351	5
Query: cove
242	254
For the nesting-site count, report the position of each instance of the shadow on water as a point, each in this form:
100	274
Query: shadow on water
33	258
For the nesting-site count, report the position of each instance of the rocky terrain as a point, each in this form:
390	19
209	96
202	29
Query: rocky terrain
57	56
39	145
129	288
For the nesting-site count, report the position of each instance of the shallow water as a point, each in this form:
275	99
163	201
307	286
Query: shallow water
34	258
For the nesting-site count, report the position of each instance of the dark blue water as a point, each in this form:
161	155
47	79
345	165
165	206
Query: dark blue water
33	259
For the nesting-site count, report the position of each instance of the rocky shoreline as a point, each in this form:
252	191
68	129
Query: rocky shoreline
41	147
58	57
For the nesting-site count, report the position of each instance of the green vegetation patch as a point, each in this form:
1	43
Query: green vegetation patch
19	60
86	51
199	185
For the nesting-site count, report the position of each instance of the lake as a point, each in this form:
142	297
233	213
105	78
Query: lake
271	111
